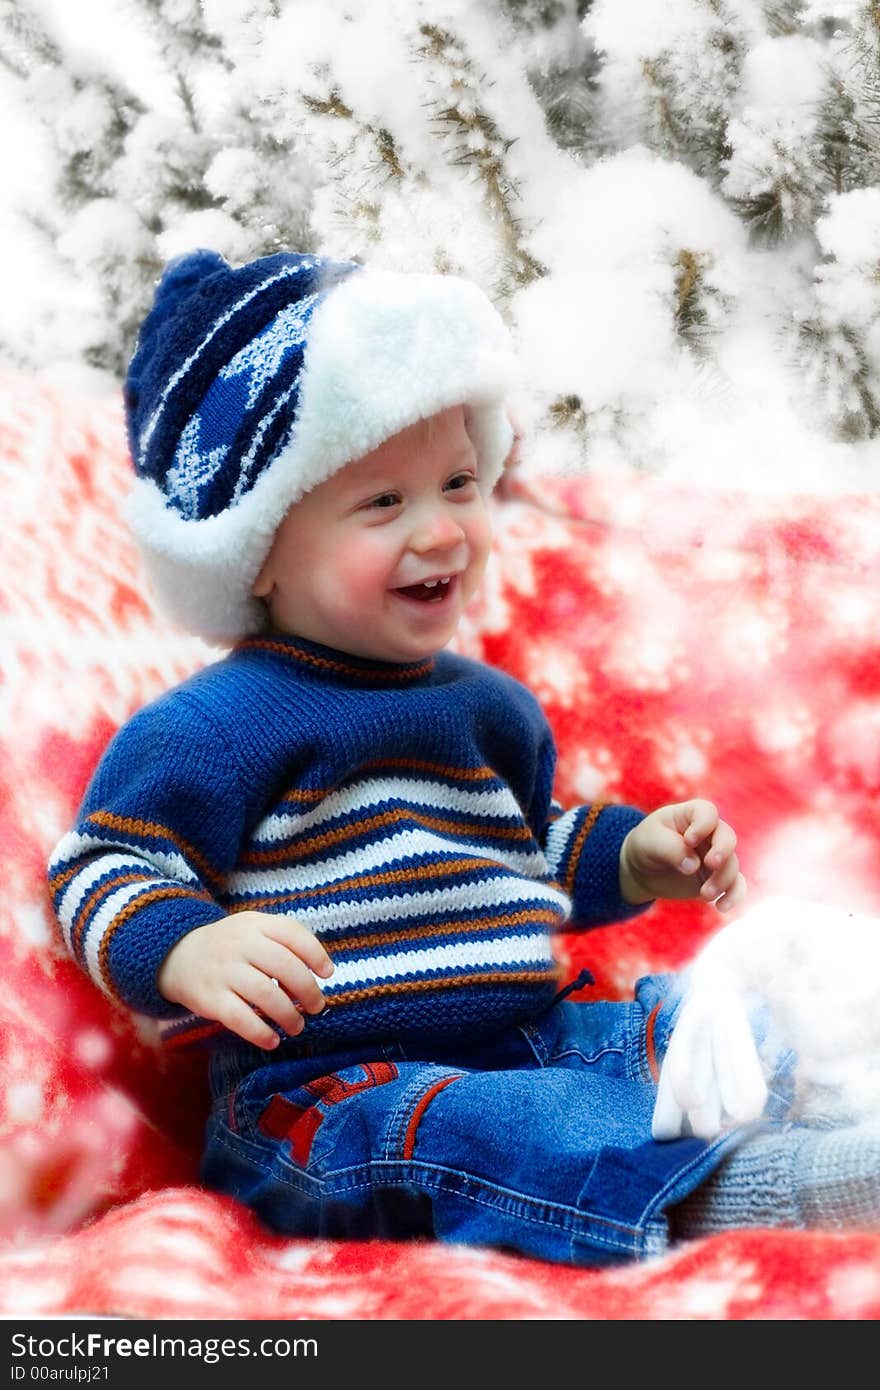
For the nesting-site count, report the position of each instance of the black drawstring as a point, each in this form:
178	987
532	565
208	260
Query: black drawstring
586	977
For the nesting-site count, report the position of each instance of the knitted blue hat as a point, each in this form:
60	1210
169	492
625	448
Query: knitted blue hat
251	386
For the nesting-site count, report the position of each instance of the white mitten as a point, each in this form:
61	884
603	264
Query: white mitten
711	1076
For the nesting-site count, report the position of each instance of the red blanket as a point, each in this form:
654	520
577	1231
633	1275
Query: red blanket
682	643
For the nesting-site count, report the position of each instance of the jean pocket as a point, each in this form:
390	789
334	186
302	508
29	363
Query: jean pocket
305	1120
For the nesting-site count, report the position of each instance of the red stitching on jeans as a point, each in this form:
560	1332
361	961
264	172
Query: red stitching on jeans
409	1139
331	1089
649	1043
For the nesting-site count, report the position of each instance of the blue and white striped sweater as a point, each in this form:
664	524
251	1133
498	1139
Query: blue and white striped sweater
403	813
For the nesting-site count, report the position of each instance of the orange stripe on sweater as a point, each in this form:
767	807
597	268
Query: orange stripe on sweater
324	663
199	1032
462	774
480	926
157	895
58	881
587	825
307	794
85	909
444	982
398	815
381	880
155	830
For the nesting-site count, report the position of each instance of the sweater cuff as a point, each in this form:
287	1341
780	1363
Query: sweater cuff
136	951
587	843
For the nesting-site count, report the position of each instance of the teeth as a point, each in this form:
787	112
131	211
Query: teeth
432	583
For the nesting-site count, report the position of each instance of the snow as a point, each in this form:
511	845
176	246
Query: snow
641	29
832	9
678	337
850	231
786	71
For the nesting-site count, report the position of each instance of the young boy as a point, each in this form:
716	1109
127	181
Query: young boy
333	856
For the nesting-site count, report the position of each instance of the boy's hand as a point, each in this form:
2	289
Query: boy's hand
682	851
249	960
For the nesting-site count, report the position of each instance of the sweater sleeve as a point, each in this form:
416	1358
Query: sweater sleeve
582	845
160	826
582	849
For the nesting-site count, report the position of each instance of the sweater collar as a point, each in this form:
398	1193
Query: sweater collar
331	665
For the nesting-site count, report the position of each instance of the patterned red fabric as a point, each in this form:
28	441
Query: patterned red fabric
682	643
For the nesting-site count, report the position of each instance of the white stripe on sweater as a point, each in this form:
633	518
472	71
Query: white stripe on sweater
79	887
424	796
103	919
381	854
557	840
529	952
75	846
492	897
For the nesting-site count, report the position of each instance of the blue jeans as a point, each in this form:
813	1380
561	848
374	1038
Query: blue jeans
537	1140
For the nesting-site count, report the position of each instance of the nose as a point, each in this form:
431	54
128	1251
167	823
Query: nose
435	529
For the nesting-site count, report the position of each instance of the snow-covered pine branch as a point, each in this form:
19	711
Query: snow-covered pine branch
650	192
839	342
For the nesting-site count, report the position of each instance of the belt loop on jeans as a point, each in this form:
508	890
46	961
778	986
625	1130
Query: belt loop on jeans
586	977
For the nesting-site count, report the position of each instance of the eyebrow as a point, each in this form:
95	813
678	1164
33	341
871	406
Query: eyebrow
373	484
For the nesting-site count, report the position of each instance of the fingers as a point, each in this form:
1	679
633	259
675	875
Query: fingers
236	1015
286	956
301	942
695	820
697	837
294	977
733	896
668	850
264	992
275	978
723	883
722	844
264	997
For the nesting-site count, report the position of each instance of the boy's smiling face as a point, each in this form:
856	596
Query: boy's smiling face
381	559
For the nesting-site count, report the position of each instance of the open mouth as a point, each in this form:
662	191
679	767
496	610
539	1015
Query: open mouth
432	591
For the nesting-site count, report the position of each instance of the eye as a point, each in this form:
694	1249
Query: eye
459	481
385	500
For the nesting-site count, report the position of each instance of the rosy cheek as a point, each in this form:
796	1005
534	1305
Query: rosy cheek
364	567
480	537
